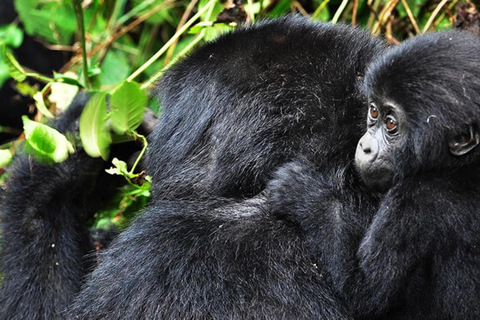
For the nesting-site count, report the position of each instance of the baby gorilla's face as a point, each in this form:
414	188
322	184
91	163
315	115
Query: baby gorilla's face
374	157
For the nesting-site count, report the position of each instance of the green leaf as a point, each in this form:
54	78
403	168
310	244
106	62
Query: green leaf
26	89
94	71
66	78
119	168
54	21
14	68
63	94
94	132
38	97
115	68
5	158
11	35
128	105
4	74
46	144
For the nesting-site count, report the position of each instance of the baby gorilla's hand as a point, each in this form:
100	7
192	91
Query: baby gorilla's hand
300	192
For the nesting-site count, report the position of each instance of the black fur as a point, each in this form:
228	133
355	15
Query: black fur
420	257
234	111
255	99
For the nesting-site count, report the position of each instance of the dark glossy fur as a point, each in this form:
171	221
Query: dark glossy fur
255	99
207	246
420	257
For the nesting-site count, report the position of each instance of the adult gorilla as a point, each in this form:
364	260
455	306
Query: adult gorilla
206	247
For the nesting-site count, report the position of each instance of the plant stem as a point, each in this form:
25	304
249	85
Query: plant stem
339	12
39	77
81	26
144	142
171	41
182	53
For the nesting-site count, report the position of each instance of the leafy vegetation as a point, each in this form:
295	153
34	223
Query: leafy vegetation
117	50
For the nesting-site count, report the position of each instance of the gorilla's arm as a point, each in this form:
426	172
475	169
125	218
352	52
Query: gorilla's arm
420	254
43	216
379	266
318	200
365	268
207	260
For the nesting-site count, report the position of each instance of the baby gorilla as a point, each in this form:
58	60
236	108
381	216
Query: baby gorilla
420	256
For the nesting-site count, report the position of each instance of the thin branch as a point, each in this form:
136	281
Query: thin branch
354	12
169	42
320	9
339	12
183	20
80	23
385	15
182	53
434	14
411	17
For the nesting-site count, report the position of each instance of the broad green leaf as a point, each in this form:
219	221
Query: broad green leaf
46	143
5	158
94	132
38	97
115	68
11	35
128	105
14	68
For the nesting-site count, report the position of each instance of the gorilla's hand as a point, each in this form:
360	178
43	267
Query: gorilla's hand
300	192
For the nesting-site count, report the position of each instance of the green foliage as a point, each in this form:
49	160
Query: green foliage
5	157
11	36
40	104
46	143
54	21
14	68
94	132
128	105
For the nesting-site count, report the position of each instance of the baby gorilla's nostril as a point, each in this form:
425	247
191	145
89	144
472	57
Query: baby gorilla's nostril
366	149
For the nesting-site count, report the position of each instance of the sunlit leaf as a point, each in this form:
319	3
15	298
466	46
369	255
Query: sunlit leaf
14	68
94	132
63	93
11	35
45	143
128	105
5	158
119	168
38	97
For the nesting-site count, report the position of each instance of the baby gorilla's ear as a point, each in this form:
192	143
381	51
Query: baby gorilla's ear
465	142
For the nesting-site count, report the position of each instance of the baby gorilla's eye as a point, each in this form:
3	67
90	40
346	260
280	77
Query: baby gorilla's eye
391	124
373	112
